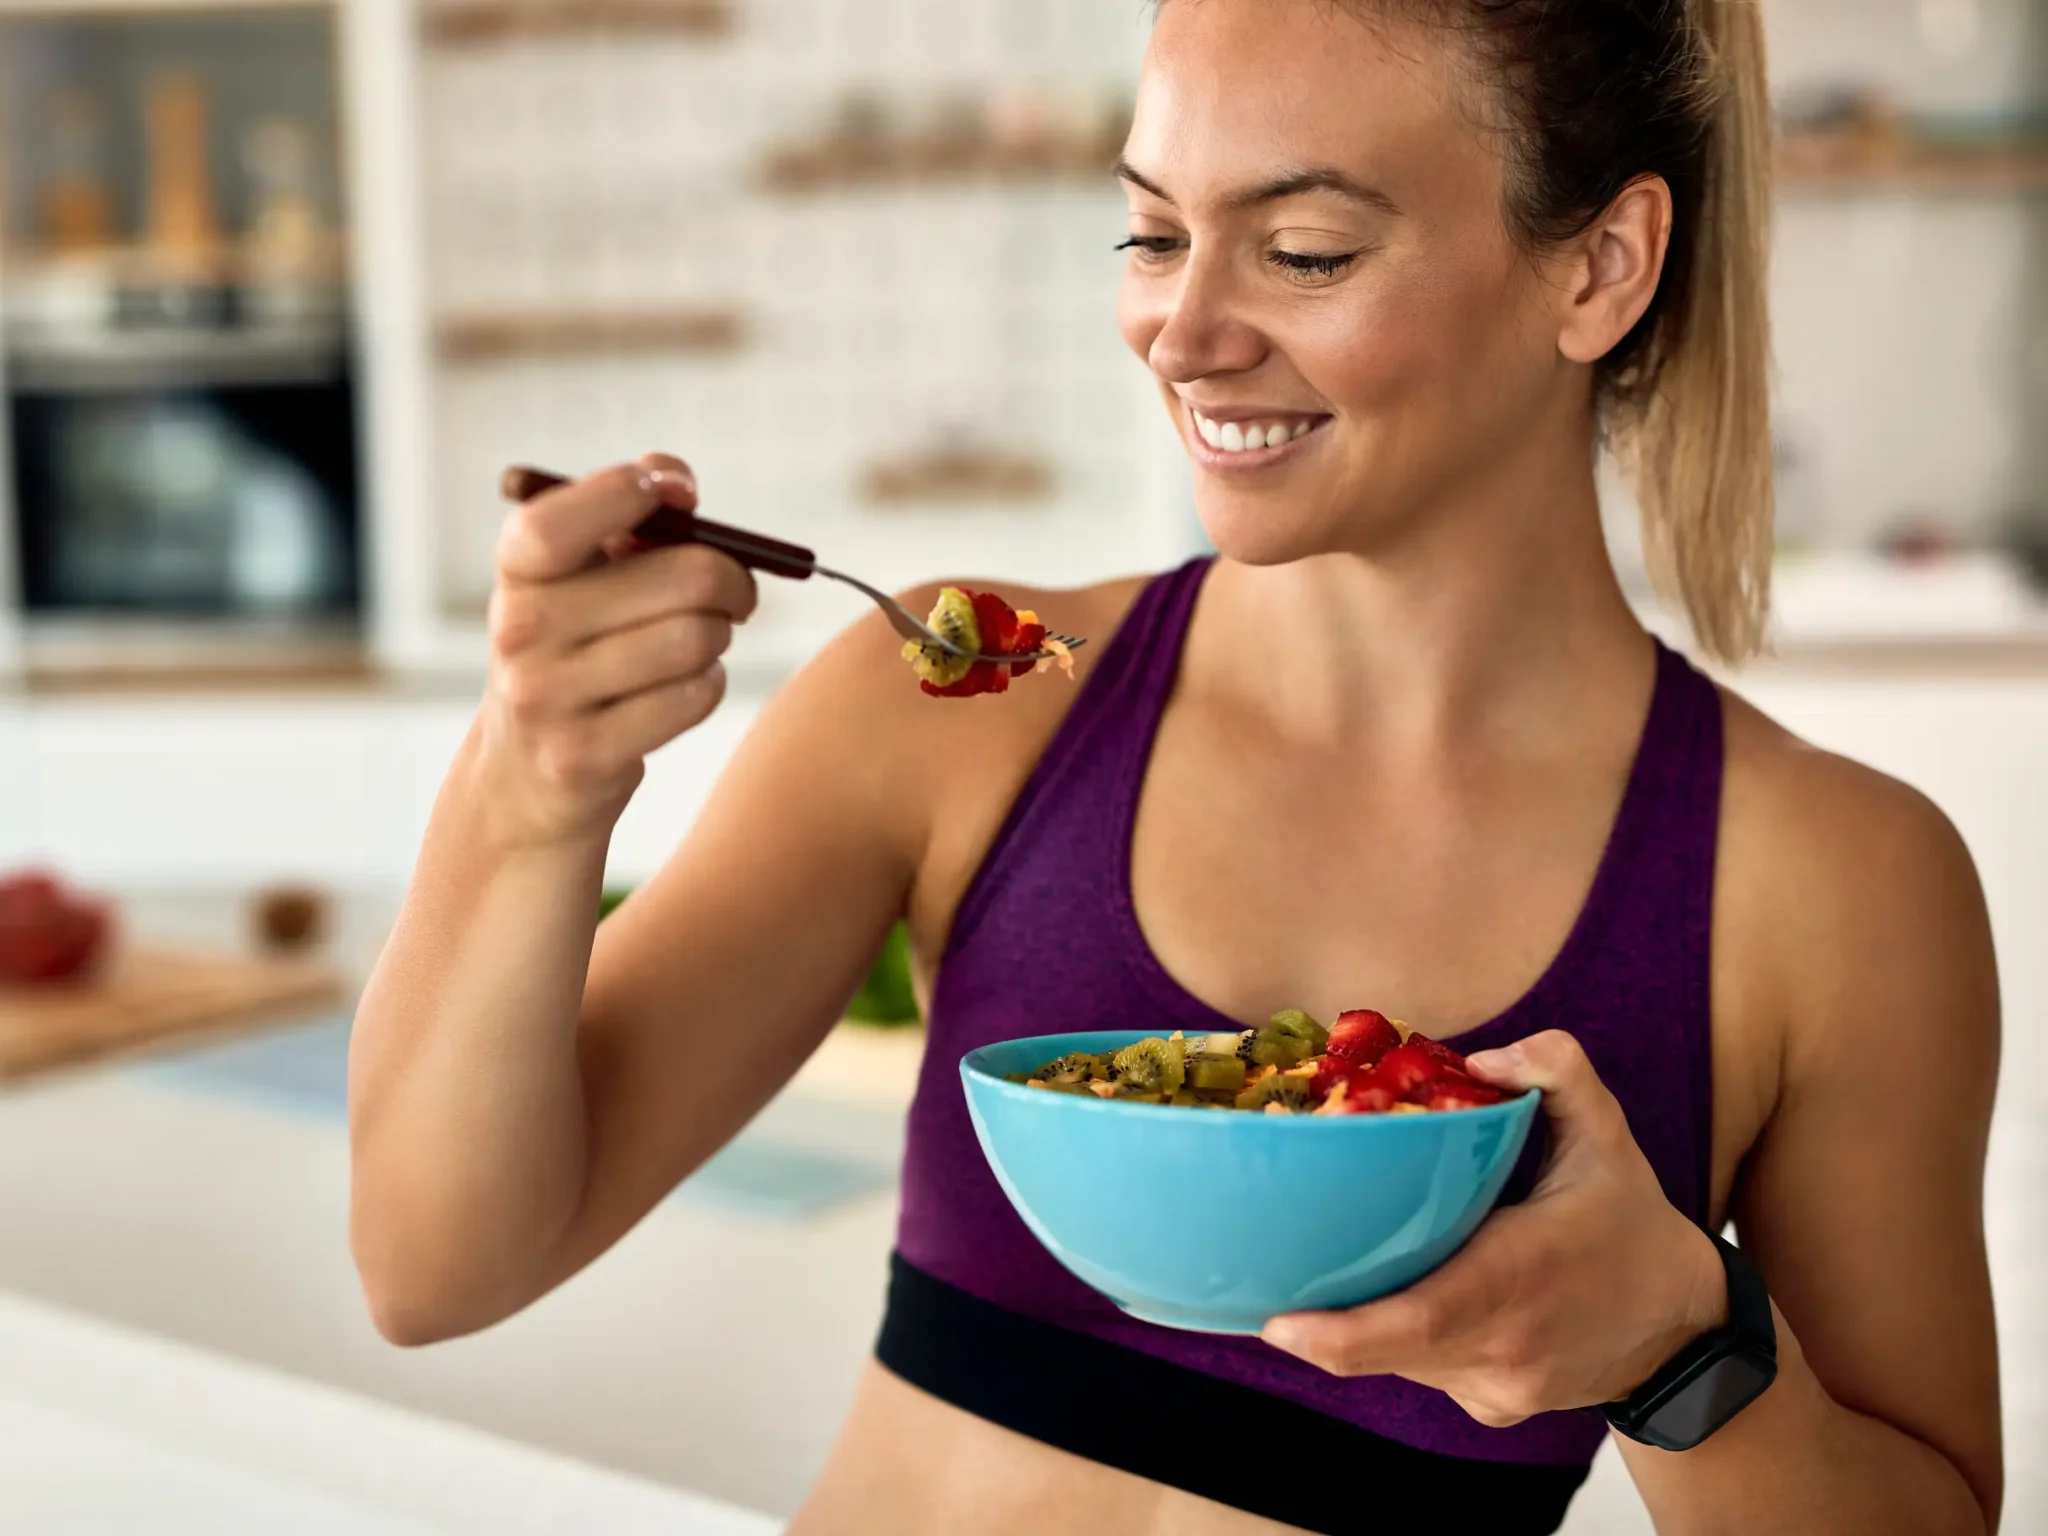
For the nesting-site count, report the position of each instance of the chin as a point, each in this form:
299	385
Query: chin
1269	530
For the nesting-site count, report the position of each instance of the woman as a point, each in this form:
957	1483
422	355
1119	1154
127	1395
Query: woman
1395	267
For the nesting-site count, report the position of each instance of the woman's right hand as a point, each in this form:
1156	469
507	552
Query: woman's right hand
601	651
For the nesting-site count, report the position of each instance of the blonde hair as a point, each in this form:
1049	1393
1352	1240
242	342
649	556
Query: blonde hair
1697	432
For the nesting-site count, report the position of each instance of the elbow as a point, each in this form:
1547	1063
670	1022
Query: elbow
412	1301
405	1326
413	1316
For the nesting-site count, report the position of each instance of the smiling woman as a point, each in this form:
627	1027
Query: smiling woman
1396	269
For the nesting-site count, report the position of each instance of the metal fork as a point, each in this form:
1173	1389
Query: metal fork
757	552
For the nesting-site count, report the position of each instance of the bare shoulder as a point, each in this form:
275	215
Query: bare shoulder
916	744
1851	896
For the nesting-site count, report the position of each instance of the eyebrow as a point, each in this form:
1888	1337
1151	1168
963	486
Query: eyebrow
1293	184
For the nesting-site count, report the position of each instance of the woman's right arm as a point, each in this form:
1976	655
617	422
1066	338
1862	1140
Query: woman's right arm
524	1086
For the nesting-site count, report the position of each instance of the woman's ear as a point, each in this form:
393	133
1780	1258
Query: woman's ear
1610	273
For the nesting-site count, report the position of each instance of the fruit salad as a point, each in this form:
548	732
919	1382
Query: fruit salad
1364	1064
984	623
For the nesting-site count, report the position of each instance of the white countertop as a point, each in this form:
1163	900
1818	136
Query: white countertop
103	1430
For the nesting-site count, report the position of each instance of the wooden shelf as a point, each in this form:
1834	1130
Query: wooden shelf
1845	164
941	478
466	23
570	333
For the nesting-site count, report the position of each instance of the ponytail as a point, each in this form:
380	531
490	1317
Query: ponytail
1698	435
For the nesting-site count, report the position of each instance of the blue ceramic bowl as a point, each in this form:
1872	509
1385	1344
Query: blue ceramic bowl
1218	1222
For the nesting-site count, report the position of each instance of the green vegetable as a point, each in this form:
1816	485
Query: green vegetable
888	996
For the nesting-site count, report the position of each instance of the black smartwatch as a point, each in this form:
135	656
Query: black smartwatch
1713	1378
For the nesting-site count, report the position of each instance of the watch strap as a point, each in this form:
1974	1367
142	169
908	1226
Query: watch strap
1750	1333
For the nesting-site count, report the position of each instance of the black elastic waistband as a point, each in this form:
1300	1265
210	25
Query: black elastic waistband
1176	1426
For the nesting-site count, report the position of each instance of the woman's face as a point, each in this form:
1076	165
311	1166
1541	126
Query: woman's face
1324	265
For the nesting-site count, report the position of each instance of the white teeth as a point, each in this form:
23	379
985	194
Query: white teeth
1235	437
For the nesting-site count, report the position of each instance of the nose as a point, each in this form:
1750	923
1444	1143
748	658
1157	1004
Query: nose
1195	327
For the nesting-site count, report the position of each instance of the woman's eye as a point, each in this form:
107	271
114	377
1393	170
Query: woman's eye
1152	247
1311	265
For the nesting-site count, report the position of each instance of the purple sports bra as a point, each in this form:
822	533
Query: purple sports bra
1631	982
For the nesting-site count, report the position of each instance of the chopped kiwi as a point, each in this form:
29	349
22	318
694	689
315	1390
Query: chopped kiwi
1219	1047
1282	1088
1292	1021
1068	1069
1153	1066
1184	1099
953	618
1225	1076
1271	1047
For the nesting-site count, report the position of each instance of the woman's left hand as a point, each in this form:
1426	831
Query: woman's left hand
1571	1299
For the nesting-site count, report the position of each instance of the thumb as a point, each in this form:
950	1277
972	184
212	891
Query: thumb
1580	1109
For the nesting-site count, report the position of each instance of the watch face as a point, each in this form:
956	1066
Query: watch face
1723	1388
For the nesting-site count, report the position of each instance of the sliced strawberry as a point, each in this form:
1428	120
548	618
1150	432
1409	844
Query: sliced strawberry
1028	639
1407	1068
1361	1037
1458	1093
1438	1051
1331	1071
1367	1093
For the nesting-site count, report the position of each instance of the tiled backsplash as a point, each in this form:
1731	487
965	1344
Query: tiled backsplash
625	174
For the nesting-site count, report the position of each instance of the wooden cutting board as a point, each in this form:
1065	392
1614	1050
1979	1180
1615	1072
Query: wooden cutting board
154	997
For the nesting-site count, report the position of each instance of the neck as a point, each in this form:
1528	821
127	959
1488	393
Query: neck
1497	611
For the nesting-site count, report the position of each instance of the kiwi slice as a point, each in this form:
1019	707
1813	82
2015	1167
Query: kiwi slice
1153	1066
1211	1076
1213	1047
953	618
1282	1088
1292	1021
1068	1069
1271	1047
1184	1100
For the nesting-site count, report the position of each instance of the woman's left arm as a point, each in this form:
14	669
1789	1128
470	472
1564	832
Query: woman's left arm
1862	1203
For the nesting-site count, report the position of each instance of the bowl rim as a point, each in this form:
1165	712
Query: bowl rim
970	1070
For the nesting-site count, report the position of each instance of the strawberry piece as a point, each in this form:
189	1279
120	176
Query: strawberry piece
1361	1037
1408	1068
1367	1093
1458	1093
1437	1051
1028	639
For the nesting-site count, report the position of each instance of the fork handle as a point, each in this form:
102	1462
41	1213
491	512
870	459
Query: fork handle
672	525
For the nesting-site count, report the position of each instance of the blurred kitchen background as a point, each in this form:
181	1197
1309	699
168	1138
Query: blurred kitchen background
285	283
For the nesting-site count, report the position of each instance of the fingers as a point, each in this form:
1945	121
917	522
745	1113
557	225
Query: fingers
558	616
670	649
562	530
589	755
1580	1107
